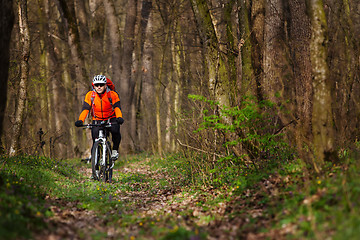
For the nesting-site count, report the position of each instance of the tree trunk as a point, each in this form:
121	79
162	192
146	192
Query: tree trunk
257	36
277	74
127	81
82	83
158	92
6	26
67	10
169	93
178	76
136	84
83	28
299	39
218	80
57	94
114	34
322	119
147	107
46	93
74	150
15	147
343	61
245	77
82	18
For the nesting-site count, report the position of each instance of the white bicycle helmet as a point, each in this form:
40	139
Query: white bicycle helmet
99	79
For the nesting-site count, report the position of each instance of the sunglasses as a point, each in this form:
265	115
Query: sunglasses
99	85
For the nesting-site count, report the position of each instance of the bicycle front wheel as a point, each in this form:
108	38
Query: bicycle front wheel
105	170
96	156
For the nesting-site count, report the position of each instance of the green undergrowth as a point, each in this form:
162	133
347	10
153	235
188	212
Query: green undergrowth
30	185
294	201
286	201
24	184
323	206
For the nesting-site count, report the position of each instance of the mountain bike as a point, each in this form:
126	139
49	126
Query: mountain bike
101	163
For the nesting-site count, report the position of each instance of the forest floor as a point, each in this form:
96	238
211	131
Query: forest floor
164	198
163	210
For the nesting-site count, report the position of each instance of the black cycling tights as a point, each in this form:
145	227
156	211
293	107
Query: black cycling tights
115	133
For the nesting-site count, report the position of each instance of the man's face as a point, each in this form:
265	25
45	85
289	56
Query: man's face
99	88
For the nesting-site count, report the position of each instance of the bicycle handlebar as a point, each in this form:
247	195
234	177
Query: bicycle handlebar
102	124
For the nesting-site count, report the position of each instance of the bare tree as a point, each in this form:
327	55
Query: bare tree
245	77
299	40
322	118
67	11
6	26
127	80
218	80
114	33
146	107
277	84
15	147
257	22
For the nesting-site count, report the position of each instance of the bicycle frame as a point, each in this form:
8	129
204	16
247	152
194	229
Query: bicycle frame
102	139
101	167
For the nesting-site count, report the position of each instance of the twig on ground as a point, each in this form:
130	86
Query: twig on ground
200	150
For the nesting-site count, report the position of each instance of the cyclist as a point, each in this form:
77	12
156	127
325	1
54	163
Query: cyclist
104	105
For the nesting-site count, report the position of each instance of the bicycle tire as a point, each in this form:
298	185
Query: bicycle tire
109	163
105	170
96	155
103	173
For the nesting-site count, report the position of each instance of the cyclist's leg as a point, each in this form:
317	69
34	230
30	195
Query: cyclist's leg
94	133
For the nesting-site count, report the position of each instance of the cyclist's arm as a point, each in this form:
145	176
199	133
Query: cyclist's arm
116	105
86	107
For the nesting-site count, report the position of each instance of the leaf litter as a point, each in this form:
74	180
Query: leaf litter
219	214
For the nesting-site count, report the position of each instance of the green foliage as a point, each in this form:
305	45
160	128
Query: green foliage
321	207
24	183
291	202
248	137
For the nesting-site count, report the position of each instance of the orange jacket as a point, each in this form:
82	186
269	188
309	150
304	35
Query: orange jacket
101	108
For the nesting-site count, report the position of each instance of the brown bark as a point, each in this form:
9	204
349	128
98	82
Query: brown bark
245	77
82	19
299	40
176	48
343	59
257	22
147	89
127	80
218	80
276	67
115	43
6	26
15	147
322	119
57	94
66	9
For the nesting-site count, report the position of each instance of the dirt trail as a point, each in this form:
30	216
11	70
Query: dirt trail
71	222
160	205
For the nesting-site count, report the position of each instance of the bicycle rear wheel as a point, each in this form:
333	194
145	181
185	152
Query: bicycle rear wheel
96	156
